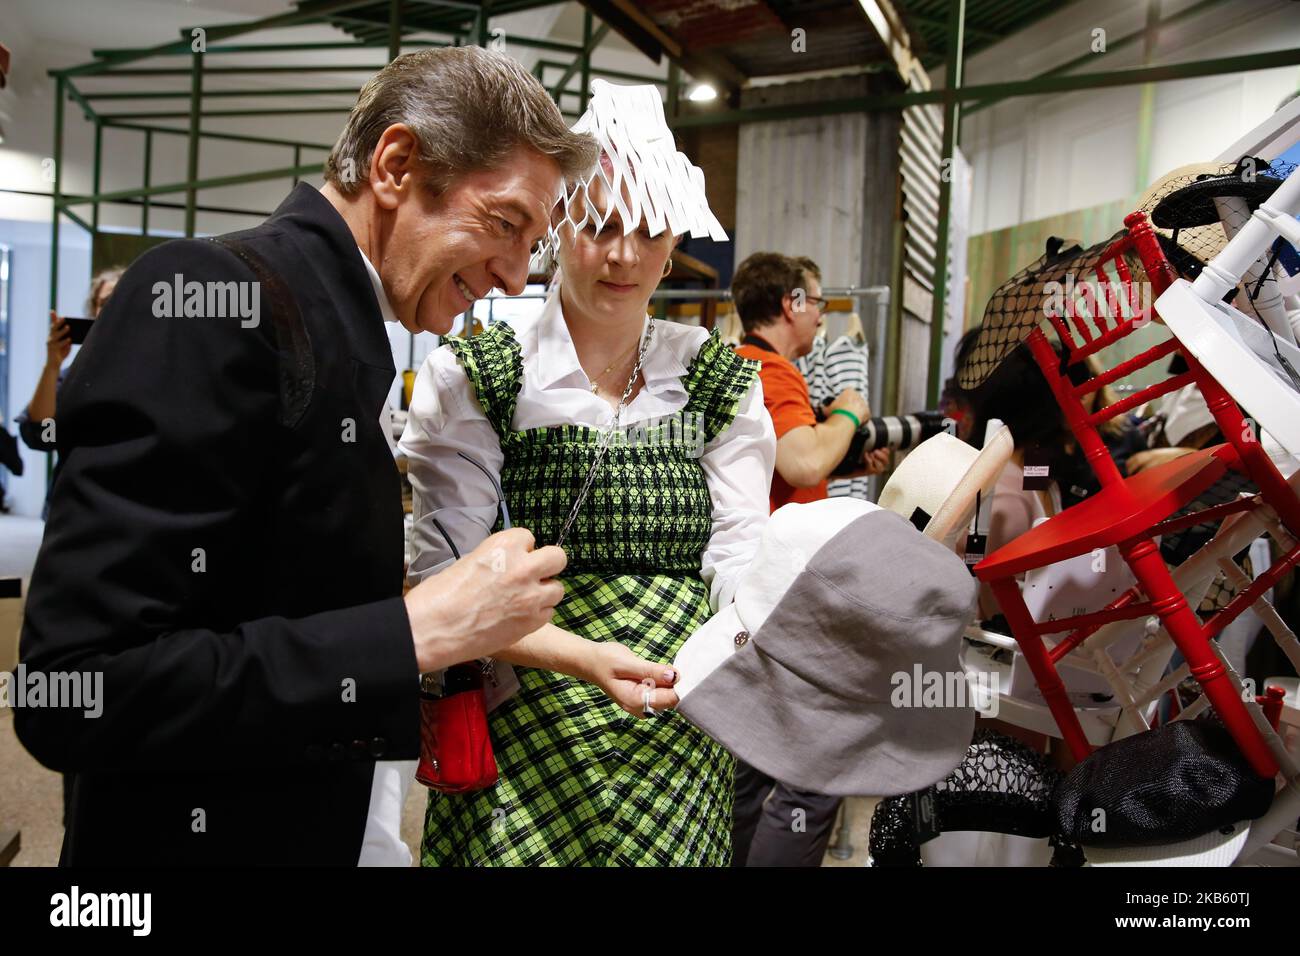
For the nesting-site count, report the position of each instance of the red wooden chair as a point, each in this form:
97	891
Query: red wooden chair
1130	513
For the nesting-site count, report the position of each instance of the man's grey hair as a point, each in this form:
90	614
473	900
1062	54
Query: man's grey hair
468	108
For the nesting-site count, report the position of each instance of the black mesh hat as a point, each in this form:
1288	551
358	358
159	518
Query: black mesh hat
1183	781
1181	206
1001	786
1191	202
1021	303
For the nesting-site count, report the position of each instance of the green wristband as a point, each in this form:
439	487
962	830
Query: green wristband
848	414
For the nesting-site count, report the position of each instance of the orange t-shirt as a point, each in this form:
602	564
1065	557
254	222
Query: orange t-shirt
785	393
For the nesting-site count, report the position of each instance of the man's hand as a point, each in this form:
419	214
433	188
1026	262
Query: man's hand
59	344
619	672
874	462
851	400
490	598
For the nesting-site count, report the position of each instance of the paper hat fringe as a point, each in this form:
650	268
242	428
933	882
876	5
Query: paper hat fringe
639	159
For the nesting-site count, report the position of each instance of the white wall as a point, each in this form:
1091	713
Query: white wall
1038	156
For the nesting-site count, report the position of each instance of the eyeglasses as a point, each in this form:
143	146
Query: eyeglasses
819	302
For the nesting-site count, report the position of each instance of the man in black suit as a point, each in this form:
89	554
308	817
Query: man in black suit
224	543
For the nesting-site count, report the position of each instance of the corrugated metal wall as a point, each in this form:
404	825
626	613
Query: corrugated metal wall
823	187
921	155
799	190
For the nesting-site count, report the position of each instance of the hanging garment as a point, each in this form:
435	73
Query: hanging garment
829	370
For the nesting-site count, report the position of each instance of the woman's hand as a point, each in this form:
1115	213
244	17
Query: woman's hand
59	344
619	672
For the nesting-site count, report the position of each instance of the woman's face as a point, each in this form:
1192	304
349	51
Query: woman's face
608	275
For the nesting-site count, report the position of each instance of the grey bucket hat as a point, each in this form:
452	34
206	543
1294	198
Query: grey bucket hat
810	676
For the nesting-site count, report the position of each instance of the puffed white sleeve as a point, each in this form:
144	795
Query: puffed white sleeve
738	464
447	437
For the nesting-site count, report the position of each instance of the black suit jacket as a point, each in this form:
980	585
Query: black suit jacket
235	579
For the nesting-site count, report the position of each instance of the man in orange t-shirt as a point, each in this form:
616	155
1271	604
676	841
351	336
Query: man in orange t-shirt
780	305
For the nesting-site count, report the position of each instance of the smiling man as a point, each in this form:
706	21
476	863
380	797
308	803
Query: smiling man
224	542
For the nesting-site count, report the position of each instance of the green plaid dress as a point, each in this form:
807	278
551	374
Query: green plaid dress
581	781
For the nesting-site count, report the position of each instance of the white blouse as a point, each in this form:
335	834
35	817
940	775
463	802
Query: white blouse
446	419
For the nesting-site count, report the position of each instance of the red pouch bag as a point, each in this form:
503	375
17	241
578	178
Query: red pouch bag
455	746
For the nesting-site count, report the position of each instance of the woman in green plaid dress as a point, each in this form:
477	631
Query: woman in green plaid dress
673	515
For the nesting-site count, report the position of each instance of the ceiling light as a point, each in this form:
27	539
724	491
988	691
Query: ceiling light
702	94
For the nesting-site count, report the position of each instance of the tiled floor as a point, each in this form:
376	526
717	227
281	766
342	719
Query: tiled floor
31	800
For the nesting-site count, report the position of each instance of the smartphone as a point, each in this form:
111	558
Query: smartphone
79	328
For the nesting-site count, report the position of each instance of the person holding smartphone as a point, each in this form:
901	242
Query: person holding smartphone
36	422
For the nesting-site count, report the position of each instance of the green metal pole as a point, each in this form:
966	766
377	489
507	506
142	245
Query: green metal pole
277	111
1111	47
240	70
97	174
1033	87
674	89
894	335
601	71
148	162
210	94
77	97
192	163
1147	106
60	93
297	161
394	31
79	221
581	63
586	58
482	22
216	182
951	121
307	12
213	134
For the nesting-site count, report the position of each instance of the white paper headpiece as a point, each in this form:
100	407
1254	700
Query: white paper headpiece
660	183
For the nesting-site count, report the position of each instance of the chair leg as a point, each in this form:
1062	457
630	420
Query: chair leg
1023	628
1153	575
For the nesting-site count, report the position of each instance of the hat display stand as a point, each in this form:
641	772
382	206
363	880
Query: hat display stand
1130	513
1224	200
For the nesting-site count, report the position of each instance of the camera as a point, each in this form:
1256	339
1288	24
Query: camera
899	432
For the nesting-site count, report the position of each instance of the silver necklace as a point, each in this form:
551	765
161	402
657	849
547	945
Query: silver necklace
609	434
